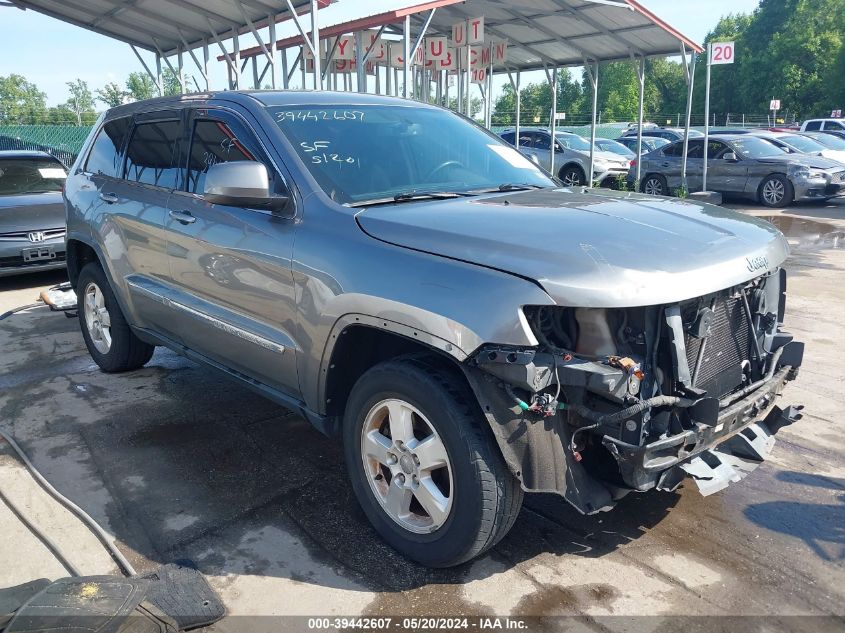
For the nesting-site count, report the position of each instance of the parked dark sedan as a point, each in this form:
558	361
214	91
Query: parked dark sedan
742	165
32	214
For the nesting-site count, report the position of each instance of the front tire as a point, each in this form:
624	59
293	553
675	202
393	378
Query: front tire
776	192
424	468
110	341
573	176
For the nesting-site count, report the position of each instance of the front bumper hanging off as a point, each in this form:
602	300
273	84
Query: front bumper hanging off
720	447
713	454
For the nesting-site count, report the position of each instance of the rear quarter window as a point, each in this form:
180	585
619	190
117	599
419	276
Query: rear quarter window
104	157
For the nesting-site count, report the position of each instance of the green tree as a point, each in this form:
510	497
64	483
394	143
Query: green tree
21	101
81	101
140	86
536	101
171	82
111	94
791	50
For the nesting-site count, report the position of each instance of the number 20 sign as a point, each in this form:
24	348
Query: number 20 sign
722	53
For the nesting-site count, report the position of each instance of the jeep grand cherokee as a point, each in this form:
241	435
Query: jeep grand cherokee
414	286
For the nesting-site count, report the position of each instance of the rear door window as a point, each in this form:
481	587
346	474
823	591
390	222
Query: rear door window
675	149
105	155
508	137
813	125
151	157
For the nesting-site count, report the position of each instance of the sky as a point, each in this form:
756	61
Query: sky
50	53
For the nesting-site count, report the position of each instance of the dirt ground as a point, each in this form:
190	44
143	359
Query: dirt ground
178	463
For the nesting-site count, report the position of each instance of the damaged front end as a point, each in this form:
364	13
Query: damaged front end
614	400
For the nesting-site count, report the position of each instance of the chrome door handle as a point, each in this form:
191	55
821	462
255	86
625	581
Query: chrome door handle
109	198
182	216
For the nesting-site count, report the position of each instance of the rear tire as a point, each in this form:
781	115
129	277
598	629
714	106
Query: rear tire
110	341
776	192
655	185
478	496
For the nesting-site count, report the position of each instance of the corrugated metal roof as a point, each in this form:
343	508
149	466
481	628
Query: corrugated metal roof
566	32
166	24
540	33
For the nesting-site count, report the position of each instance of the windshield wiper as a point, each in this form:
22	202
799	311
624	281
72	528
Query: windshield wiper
512	186
412	196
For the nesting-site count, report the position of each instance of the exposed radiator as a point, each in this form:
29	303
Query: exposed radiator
727	346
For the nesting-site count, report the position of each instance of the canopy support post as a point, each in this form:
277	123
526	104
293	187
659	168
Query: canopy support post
406	62
593	74
155	78
689	73
641	81
552	77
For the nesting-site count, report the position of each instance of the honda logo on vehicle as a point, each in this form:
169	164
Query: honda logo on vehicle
756	263
36	236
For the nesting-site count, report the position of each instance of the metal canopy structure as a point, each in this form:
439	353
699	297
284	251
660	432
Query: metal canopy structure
560	33
170	28
539	34
167	26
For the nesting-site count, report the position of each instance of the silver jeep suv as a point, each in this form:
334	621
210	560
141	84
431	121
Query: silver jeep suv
418	289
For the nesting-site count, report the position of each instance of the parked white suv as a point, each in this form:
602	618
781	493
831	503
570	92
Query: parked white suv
814	125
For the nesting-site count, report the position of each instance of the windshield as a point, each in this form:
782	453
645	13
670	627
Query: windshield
364	153
573	141
30	175
830	141
802	143
612	146
752	147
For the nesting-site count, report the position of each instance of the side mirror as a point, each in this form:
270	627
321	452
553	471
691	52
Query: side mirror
730	157
241	184
558	148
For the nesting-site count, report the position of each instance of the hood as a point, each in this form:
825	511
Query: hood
606	157
834	154
590	248
804	160
31	212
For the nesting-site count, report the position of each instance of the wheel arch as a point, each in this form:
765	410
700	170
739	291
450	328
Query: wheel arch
657	174
359	342
759	190
79	253
572	163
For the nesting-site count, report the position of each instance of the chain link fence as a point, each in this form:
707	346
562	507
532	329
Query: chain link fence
62	141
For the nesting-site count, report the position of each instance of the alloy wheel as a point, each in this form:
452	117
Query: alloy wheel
572	178
773	191
97	318
653	187
407	466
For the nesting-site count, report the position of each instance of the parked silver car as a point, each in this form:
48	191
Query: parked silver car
649	143
801	144
743	165
32	215
421	291
572	156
